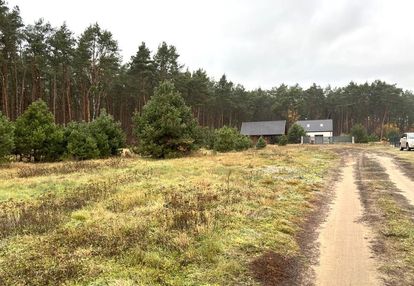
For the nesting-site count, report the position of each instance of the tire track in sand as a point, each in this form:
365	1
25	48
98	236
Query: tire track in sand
401	181
345	254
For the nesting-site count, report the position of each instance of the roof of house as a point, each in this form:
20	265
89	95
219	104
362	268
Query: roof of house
325	125
263	128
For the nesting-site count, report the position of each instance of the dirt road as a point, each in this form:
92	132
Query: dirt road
345	255
372	183
404	184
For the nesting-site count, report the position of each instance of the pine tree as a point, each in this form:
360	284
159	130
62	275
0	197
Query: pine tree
80	144
108	134
97	62
62	44
11	37
295	133
166	62
36	135
6	136
141	77
261	143
282	140
166	126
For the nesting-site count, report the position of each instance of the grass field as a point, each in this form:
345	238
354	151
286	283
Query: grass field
199	220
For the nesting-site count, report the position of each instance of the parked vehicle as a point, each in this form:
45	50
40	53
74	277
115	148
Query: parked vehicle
407	141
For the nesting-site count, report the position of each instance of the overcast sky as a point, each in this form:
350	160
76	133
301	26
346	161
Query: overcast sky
260	43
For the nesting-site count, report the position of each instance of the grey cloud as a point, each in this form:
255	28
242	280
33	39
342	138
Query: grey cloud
259	43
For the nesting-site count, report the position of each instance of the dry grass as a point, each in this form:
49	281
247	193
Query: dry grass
192	221
391	217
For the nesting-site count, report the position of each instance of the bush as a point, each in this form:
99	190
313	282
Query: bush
261	143
283	140
224	139
391	132
57	147
359	133
81	144
373	138
204	137
242	142
295	133
229	139
36	135
108	134
6	136
166	126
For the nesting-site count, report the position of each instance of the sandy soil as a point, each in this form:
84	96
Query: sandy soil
402	182
345	254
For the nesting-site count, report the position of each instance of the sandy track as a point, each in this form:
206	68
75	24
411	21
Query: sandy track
345	255
401	181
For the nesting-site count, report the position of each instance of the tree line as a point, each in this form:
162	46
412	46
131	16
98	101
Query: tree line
79	76
166	128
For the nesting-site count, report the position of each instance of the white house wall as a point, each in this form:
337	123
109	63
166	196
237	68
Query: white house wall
325	134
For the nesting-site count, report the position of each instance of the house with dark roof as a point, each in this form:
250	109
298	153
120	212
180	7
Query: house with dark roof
319	131
268	129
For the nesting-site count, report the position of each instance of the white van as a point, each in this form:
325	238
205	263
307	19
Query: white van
407	141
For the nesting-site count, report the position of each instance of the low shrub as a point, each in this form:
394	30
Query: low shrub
373	138
228	139
81	145
283	140
261	143
242	142
359	133
204	137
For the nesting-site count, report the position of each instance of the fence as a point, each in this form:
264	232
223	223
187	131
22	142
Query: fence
327	140
395	141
